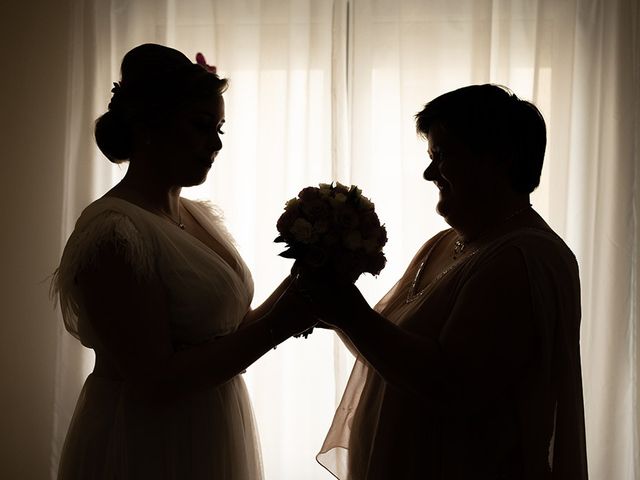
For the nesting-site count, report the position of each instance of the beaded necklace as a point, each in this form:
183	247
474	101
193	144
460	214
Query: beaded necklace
458	250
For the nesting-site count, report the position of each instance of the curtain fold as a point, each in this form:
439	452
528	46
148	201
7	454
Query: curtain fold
327	90
600	225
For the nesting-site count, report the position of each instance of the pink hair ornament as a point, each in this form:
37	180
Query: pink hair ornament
200	60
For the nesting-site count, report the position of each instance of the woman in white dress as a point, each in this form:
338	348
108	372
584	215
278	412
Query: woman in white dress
154	285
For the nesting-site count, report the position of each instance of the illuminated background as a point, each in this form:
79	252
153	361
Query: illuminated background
320	91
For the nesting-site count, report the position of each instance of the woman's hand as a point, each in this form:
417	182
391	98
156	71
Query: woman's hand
337	303
291	314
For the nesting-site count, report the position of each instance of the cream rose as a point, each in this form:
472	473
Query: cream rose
302	231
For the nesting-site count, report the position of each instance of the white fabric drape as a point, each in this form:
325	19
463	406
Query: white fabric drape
579	62
326	90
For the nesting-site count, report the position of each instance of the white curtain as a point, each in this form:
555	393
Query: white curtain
326	90
579	62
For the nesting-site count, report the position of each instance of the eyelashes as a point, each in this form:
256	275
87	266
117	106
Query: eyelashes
207	126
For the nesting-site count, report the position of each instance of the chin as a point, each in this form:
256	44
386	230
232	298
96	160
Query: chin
200	181
446	212
193	181
442	208
198	178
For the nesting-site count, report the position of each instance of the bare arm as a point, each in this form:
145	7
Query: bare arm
267	305
131	320
347	343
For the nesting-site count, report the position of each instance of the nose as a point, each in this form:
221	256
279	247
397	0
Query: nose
216	145
431	172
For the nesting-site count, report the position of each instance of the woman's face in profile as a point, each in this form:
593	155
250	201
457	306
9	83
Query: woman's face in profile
463	179
191	143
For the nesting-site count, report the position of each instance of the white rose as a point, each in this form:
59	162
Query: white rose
353	240
302	230
321	226
339	199
370	245
325	190
294	202
366	204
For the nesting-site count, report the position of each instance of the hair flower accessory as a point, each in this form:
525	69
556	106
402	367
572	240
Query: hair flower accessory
200	60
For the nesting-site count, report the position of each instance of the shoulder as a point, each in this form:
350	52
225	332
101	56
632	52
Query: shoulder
533	244
108	232
110	210
106	226
109	220
538	258
544	249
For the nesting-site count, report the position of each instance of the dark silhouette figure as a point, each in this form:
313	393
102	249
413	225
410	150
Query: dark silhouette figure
469	368
153	283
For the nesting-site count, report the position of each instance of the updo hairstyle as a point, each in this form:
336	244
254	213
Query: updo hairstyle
156	82
490	119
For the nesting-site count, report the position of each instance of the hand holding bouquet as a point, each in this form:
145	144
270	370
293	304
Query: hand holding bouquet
333	229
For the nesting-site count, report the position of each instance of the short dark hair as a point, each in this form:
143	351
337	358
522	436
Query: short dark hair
156	80
492	119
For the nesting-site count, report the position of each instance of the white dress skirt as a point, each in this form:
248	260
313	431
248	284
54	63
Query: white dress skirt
115	434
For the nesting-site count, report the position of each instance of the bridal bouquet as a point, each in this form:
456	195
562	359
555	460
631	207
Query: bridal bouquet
333	229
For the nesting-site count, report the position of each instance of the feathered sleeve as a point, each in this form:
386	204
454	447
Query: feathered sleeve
106	228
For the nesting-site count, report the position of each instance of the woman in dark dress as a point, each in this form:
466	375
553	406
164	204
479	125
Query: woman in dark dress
469	368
